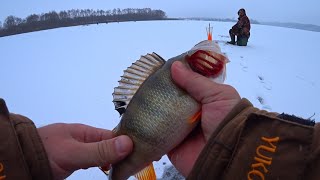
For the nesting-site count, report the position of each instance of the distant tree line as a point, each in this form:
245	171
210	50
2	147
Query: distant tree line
35	22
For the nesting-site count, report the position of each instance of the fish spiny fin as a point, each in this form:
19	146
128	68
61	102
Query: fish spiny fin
147	173
133	77
195	117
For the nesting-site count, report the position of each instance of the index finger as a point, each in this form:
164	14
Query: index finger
89	134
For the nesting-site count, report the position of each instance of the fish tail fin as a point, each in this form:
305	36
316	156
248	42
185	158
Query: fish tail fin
147	173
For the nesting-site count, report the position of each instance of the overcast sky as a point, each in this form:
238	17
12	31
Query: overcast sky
262	10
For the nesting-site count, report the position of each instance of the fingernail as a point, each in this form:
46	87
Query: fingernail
179	65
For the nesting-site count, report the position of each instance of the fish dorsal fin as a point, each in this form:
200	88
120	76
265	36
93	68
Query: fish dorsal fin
133	77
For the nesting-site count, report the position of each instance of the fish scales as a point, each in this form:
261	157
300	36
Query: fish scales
160	114
156	118
154	107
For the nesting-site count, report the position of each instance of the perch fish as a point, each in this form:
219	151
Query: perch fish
155	113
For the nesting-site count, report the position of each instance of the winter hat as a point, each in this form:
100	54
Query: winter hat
243	10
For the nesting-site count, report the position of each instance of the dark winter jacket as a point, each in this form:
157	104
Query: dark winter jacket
22	155
255	144
248	144
242	28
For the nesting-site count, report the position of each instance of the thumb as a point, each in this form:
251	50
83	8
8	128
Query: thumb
199	87
105	152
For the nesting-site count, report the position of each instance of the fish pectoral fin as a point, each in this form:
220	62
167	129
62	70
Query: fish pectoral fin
196	117
147	173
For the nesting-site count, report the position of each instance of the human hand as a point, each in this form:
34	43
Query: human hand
76	146
216	100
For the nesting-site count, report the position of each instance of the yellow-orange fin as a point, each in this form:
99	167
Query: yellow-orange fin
147	173
195	117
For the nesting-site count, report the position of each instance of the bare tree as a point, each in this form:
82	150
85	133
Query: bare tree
11	21
32	18
108	13
63	15
114	12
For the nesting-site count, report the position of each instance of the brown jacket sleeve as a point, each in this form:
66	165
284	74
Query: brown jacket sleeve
254	144
22	155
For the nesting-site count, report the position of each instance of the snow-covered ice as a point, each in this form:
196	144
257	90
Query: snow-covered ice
68	74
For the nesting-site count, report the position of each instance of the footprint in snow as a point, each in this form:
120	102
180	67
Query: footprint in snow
245	69
261	100
244	66
266	84
312	83
261	78
263	103
267	107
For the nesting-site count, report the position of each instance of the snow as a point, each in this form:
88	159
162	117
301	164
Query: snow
68	74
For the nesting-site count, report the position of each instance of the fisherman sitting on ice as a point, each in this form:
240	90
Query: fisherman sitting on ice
241	30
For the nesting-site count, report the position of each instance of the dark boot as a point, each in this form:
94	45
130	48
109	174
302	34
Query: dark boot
233	38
